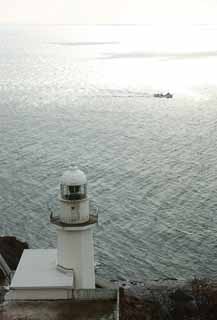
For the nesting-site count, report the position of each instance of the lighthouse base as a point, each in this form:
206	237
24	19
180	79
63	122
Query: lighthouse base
37	277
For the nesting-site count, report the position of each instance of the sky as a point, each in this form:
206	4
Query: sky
109	11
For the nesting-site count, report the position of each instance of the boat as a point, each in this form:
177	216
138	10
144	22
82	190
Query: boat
168	95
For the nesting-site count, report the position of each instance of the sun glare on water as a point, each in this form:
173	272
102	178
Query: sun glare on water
164	58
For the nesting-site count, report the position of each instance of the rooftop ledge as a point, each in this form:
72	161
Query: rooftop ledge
93	219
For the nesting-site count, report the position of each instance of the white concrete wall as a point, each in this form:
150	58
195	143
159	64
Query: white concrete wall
75	250
38	294
60	309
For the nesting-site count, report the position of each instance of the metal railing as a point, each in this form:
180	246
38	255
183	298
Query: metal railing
5	268
56	219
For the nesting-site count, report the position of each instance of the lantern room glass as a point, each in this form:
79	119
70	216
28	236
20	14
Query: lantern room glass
73	192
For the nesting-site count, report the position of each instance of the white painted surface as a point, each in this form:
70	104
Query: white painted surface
73	177
76	251
37	271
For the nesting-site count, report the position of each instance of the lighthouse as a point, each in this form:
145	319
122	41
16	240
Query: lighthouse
75	222
55	273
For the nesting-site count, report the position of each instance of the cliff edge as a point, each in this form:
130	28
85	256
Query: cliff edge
169	300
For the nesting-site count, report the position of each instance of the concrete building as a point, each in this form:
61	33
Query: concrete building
55	273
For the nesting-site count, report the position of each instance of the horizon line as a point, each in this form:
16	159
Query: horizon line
107	24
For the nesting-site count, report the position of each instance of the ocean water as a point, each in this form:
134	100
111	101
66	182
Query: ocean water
84	95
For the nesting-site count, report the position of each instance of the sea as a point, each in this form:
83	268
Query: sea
83	95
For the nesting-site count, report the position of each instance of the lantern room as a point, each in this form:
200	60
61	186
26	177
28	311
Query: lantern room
73	185
73	197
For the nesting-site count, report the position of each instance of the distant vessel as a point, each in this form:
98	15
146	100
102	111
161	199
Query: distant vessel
168	95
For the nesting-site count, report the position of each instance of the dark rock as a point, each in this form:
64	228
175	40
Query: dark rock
11	249
169	300
179	296
136	304
1	277
2	294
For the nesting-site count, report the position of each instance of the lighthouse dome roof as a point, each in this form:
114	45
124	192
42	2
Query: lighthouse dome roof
73	177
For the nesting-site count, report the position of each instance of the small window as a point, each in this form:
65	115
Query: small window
74	189
73	192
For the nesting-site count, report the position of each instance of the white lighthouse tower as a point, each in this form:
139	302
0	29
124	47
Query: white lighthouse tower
55	273
74	222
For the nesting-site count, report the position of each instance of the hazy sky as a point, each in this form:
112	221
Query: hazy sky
108	11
